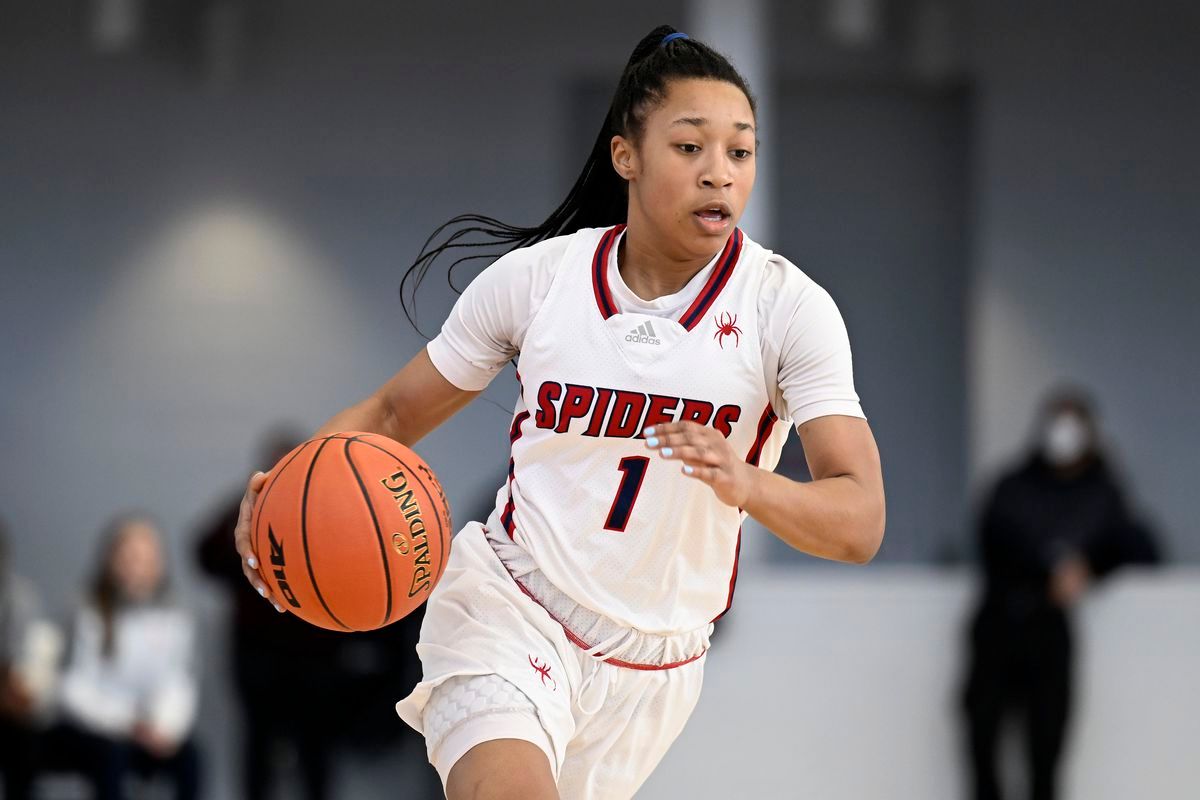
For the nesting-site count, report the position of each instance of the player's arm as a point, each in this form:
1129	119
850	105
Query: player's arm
416	400
481	334
838	515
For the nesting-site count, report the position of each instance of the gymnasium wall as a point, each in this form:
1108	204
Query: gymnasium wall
188	262
845	685
1084	226
185	260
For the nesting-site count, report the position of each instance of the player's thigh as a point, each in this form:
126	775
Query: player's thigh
502	769
614	751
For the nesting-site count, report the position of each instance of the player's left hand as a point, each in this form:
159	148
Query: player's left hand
707	456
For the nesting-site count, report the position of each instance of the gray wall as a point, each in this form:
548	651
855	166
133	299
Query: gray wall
1086	228
873	210
183	266
858	697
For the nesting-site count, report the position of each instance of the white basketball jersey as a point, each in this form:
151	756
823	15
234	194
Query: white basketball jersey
610	522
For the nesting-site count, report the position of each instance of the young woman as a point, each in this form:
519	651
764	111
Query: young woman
658	349
128	695
20	700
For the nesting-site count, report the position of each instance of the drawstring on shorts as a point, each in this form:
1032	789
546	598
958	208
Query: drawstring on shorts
611	647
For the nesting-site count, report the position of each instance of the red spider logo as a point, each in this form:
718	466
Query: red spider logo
726	326
544	671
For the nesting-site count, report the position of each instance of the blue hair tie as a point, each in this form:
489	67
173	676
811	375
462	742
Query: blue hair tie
670	37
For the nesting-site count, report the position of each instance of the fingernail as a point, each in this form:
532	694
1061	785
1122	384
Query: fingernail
687	470
652	441
261	591
260	472
666	451
649	431
278	607
252	562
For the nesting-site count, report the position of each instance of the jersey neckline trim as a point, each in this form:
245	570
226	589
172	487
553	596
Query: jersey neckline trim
716	282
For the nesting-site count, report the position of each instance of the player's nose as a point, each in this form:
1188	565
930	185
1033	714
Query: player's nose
716	174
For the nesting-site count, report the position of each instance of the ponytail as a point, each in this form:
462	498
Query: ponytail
599	198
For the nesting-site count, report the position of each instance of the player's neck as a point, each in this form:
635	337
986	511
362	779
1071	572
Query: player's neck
651	273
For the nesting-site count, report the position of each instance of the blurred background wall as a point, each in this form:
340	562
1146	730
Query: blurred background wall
1084	226
204	221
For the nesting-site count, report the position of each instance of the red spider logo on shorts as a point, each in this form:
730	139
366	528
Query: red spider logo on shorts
544	671
726	326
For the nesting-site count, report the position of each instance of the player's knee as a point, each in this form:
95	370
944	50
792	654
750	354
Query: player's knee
503	769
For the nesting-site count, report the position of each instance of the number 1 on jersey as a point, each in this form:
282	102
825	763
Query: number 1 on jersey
633	471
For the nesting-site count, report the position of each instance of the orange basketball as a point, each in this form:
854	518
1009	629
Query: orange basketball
351	531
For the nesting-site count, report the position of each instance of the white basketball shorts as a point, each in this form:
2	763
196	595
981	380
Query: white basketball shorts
497	665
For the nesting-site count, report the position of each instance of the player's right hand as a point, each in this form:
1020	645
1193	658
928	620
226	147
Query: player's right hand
241	539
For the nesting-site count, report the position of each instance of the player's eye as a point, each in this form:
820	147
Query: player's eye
741	154
689	148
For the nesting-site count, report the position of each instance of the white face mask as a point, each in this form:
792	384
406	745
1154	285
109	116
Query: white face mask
1065	439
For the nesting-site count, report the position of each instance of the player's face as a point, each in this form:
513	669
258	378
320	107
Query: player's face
691	172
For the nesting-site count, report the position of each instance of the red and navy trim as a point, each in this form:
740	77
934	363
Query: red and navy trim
514	433
737	557
604	298
716	281
726	262
766	424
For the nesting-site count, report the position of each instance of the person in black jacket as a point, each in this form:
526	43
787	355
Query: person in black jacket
1052	527
285	670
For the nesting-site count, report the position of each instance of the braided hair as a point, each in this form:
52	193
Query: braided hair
599	197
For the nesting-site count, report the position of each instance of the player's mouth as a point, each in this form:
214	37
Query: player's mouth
714	217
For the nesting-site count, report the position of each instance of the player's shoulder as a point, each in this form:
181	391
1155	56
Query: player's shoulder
522	278
782	285
548	255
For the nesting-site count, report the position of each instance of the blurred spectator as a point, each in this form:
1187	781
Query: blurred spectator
285	671
29	649
128	697
1052	527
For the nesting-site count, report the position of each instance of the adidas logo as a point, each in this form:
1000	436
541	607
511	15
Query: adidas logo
643	334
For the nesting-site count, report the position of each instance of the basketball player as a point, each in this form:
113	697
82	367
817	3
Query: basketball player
662	357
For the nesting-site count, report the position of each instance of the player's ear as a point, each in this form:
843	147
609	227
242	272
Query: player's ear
624	157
